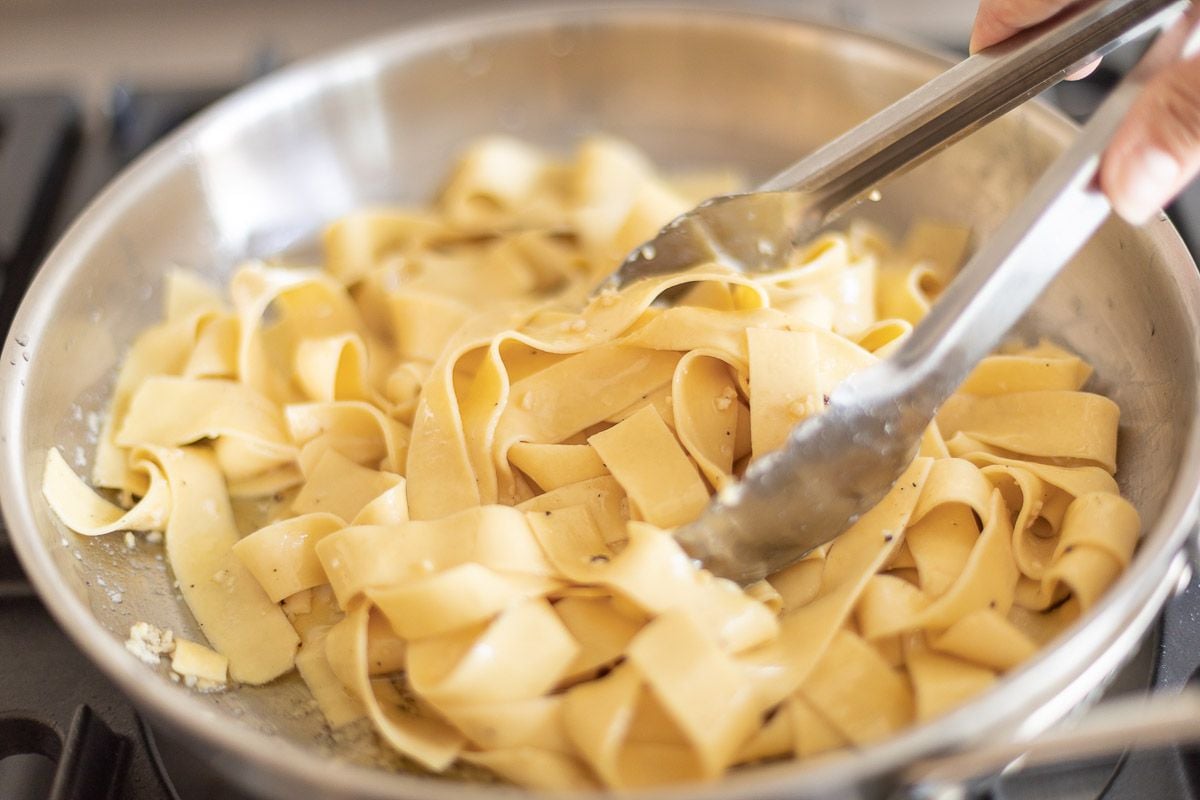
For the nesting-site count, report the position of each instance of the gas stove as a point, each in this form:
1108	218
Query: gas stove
67	733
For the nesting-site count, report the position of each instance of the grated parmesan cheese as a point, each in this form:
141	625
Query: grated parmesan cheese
149	643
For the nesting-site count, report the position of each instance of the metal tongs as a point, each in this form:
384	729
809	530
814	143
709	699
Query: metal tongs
838	464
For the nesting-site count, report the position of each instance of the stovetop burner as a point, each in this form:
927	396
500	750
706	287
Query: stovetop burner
67	733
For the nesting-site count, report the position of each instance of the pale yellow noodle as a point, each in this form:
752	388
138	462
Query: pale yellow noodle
473	470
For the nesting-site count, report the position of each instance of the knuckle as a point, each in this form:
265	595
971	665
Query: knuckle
1019	14
1175	116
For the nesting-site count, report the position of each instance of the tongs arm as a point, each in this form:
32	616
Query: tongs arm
953	105
756	231
1018	261
838	464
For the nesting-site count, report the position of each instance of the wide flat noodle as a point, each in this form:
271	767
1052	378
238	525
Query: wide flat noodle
463	470
85	512
653	469
428	740
283	556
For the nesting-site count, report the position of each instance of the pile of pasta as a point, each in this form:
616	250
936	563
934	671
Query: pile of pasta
470	469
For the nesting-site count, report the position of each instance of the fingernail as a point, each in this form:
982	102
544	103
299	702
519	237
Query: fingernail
1146	180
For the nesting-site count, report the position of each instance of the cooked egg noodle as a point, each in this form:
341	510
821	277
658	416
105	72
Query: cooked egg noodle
472	470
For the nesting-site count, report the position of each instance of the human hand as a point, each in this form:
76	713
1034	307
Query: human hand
1156	151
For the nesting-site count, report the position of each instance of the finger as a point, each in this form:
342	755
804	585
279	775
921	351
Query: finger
1084	71
1156	151
997	20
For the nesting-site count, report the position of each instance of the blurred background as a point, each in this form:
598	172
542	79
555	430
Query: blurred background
92	45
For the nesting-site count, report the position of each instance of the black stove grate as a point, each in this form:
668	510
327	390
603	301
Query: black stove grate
38	138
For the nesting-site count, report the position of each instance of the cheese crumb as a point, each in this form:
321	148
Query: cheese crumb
149	643
806	407
130	542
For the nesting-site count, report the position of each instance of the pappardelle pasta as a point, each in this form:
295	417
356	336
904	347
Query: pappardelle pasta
471	470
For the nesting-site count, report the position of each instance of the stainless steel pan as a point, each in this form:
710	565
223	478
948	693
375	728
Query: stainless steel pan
692	85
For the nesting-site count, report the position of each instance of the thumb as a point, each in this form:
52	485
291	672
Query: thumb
1156	151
